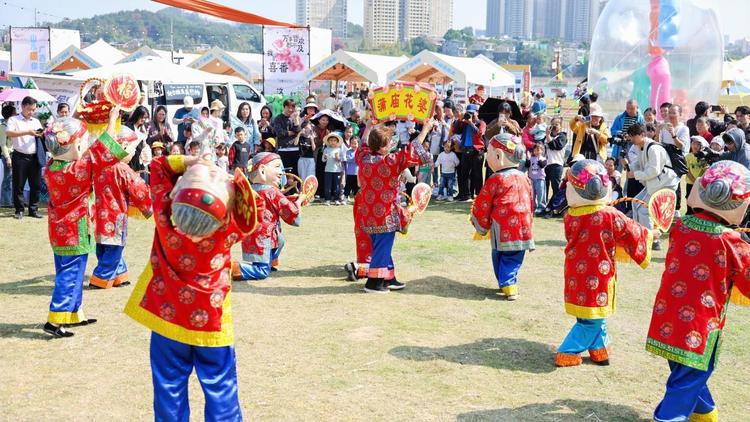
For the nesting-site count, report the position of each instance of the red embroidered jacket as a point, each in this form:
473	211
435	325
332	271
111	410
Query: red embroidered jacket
70	185
114	189
504	207
257	246
704	262
183	293
377	200
596	235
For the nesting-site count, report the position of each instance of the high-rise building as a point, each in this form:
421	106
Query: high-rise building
440	17
381	22
514	18
415	19
549	19
581	19
329	14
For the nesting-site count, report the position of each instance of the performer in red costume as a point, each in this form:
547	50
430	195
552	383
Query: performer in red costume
377	206
68	176
596	233
115	189
262	248
183	295
706	261
504	208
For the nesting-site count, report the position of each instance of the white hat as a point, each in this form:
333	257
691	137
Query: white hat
596	110
187	101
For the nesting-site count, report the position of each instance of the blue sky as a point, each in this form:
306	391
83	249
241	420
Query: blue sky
733	22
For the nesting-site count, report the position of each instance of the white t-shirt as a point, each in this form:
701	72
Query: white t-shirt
24	144
447	162
682	132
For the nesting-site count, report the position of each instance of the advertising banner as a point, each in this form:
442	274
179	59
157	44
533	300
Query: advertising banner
286	59
29	49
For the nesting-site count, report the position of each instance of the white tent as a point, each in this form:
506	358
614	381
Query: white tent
437	68
248	66
736	76
104	53
156	69
354	67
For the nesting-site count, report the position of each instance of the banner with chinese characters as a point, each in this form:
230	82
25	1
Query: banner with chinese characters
286	59
29	49
402	101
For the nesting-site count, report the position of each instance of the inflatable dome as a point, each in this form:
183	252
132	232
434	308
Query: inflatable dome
655	51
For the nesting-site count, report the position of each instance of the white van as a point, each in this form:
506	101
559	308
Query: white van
231	94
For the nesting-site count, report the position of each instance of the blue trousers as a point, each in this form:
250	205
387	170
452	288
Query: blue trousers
586	334
506	266
172	363
687	393
258	270
447	180
381	263
64	308
110	261
332	185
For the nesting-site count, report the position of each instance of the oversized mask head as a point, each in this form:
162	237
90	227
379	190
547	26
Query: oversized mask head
267	169
66	139
504	152
588	184
201	200
723	190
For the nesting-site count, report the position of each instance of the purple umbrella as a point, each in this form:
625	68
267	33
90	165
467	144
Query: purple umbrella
18	94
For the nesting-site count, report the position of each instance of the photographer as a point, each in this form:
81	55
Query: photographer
471	130
556	141
28	157
737	148
653	170
590	135
622	123
503	123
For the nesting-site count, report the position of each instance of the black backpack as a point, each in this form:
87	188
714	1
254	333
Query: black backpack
678	164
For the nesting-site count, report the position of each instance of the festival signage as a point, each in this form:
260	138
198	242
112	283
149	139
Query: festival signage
29	49
286	59
402	101
177	92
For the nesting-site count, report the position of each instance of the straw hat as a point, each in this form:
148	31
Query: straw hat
217	105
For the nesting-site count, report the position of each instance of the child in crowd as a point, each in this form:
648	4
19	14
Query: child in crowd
535	165
194	148
188	132
696	166
157	149
616	178
334	155
268	145
378	213
176	149
717	144
596	235
702	127
447	161
352	185
425	170
222	161
706	262
241	150
504	209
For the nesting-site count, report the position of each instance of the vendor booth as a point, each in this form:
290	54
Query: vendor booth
354	67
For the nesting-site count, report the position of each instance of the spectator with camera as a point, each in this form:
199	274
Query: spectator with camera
738	150
653	170
471	130
28	157
622	123
590	135
715	127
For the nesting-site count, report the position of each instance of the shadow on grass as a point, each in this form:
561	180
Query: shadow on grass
512	354
33	286
330	271
23	331
551	242
257	287
558	410
444	287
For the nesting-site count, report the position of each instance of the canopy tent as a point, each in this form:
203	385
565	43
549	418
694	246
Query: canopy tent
147	51
104	53
437	68
155	69
248	66
736	76
354	67
72	58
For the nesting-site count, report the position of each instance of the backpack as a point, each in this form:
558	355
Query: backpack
678	164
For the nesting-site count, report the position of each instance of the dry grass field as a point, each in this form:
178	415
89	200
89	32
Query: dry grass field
313	347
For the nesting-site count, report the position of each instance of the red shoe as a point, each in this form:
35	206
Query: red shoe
600	356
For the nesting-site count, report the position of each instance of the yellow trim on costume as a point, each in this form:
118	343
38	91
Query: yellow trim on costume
738	298
649	243
176	163
66	317
510	290
153	322
596	312
585	210
712	416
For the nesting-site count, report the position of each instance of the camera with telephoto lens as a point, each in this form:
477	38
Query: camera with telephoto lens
708	156
618	139
467	116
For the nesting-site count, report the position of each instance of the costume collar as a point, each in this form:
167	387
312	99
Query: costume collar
585	210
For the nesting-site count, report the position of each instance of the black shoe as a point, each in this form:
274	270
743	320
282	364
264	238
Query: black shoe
18	215
351	272
123	284
394	284
656	246
35	215
375	285
604	362
274	269
92	287
56	331
81	323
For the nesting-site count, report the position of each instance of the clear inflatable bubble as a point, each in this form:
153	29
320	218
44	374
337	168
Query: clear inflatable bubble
655	51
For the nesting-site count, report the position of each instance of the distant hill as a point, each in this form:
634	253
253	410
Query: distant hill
191	31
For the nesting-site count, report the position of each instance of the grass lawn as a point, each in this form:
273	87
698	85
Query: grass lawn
311	346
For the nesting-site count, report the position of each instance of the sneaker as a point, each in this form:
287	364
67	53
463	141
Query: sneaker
351	271
375	285
328	203
449	199
511	297
656	246
56	331
394	284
